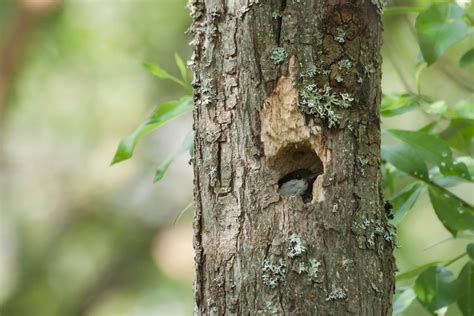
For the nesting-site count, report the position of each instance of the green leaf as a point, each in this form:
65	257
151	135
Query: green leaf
402	157
402	300
439	27
436	288
438	108
450	181
405	199
163	114
183	211
420	67
455	214
162	74
425	148
470	250
465	282
185	146
399	104
428	127
467	59
460	135
463	109
182	68
415	272
389	174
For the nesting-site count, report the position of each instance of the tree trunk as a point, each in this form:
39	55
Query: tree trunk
283	86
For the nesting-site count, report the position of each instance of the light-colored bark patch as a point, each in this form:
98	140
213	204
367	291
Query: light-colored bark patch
290	140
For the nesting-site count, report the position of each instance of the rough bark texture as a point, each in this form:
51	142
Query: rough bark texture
280	86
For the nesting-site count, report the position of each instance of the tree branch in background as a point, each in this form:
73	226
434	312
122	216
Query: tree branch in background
16	43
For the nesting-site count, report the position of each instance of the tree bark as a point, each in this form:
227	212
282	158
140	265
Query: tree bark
281	86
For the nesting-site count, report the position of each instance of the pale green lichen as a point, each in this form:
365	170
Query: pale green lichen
369	69
344	64
297	247
323	102
273	273
311	71
379	5
346	100
208	94
347	264
379	229
360	225
374	287
362	164
340	36
339	78
279	55
337	293
314	268
276	15
390	235
371	241
301	268
270	308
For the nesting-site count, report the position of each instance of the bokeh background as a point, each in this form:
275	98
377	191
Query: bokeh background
78	237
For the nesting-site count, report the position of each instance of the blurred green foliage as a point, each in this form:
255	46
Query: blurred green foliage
76	239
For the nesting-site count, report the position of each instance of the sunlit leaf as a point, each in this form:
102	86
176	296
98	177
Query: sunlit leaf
467	59
465	282
399	104
460	135
182	68
439	27
454	214
445	181
425	148
185	146
428	127
436	288
162	74
450	181
405	159
420	67
405	199
402	300
438	108
464	109
163	113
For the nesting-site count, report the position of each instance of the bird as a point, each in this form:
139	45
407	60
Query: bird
298	182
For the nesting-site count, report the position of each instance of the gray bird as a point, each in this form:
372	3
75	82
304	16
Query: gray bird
299	182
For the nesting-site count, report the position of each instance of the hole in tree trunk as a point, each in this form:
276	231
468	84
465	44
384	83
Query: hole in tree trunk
298	166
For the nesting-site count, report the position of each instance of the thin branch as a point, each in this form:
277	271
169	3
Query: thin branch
397	68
